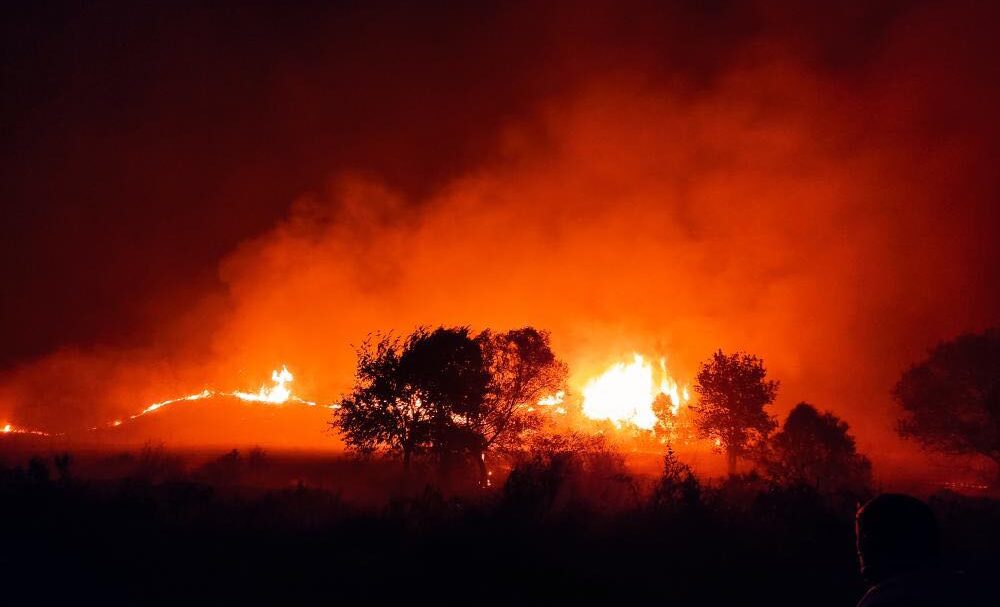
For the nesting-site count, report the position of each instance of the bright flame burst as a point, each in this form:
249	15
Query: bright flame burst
625	393
277	394
553	400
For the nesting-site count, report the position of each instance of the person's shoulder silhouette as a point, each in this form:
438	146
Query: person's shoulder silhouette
899	554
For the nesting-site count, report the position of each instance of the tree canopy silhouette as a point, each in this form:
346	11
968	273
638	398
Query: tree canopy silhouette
447	369
522	369
383	411
415	395
951	400
448	393
733	390
816	449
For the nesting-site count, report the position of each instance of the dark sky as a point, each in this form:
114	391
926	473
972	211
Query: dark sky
142	142
826	175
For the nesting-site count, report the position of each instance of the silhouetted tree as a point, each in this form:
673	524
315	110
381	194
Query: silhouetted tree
522	369
448	393
384	411
815	449
447	368
733	390
951	400
424	394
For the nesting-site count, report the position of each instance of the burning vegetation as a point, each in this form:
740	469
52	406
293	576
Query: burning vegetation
464	400
279	393
650	286
495	482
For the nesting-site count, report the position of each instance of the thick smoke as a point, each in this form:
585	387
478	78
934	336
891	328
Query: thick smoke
836	220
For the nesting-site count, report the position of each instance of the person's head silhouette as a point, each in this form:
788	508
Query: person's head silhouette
896	534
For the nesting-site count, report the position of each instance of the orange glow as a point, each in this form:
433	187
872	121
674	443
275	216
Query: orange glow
759	198
624	394
277	394
8	428
554	402
155	406
552	399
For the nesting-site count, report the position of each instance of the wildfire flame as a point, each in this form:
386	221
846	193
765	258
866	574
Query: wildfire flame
624	394
277	394
12	429
554	401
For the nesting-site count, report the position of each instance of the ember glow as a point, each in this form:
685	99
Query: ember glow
12	429
277	394
624	394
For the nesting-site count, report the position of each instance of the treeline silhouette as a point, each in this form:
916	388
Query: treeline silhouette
456	491
462	399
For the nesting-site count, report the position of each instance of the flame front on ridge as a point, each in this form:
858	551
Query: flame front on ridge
277	394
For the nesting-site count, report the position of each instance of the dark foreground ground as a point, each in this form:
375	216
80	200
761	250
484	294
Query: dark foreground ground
154	532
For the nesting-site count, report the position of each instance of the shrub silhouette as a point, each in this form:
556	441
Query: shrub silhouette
816	449
677	488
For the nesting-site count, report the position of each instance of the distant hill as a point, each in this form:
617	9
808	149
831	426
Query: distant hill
217	421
